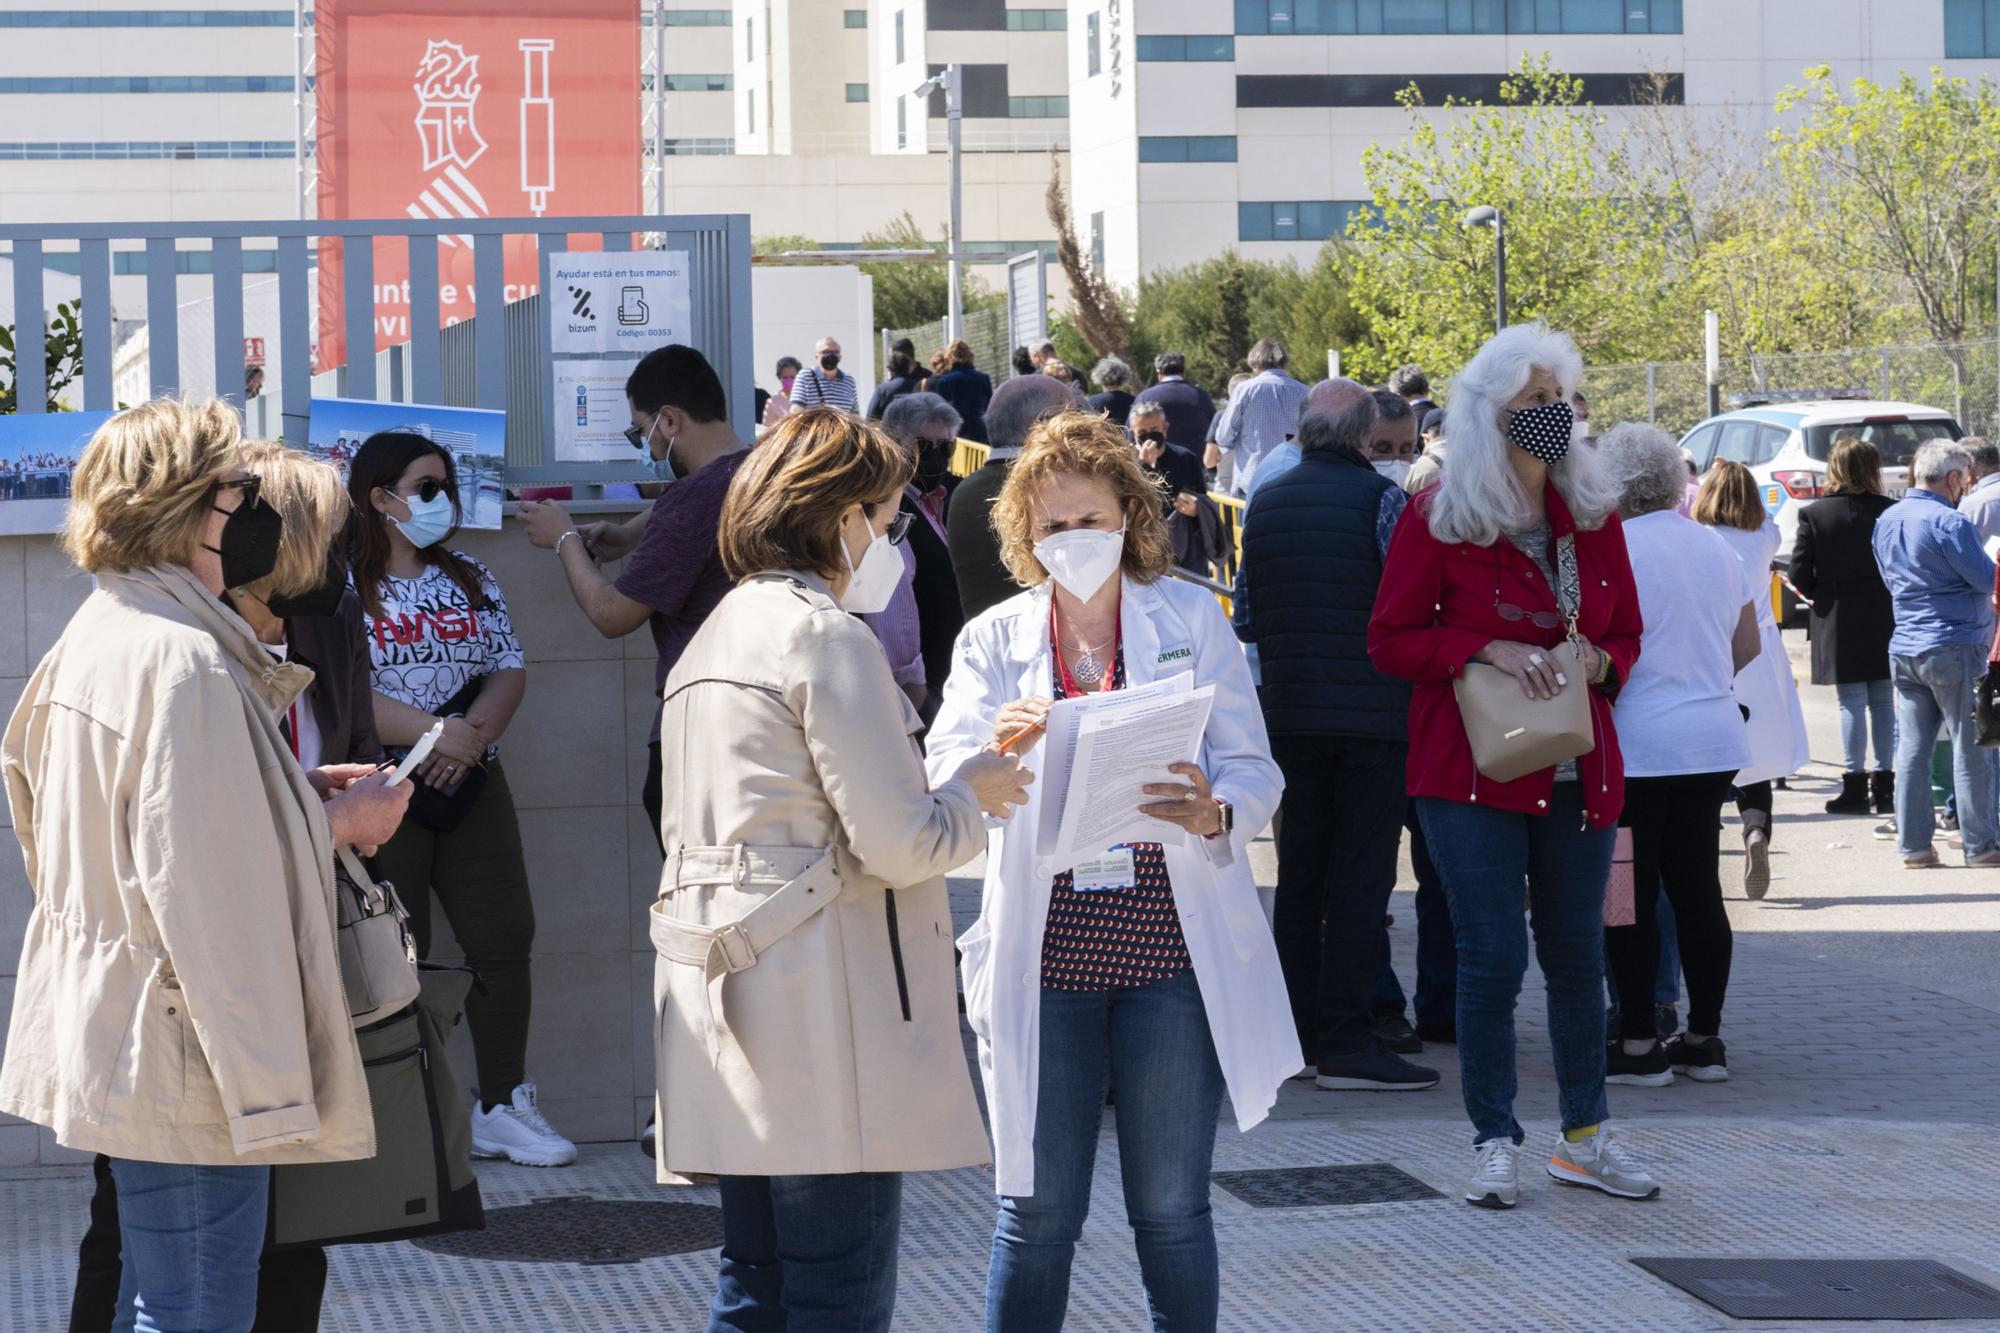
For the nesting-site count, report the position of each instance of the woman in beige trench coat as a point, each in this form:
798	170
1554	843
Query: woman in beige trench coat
806	1019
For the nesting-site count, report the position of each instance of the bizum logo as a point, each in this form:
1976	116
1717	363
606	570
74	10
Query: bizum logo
582	306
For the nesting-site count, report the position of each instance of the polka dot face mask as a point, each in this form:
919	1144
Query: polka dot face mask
1543	431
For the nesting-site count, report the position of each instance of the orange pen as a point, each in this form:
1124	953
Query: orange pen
1007	746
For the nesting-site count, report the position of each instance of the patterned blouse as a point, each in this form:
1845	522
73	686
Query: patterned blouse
1113	938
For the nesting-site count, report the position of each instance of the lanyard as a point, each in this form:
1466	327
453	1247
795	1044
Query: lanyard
292	729
1071	690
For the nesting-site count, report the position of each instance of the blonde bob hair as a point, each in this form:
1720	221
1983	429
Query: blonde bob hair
141	493
1728	498
1081	444
312	499
784	504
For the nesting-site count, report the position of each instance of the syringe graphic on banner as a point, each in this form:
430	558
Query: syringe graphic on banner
538	124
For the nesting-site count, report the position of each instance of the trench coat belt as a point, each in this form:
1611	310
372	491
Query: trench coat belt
806	882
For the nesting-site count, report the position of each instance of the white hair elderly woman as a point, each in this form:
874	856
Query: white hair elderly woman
1117	381
1473	576
1684	740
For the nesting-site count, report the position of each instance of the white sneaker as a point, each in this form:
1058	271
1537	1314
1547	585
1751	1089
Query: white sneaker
1496	1175
519	1133
1600	1162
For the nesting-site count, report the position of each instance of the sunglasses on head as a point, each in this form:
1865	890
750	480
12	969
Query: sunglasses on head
252	487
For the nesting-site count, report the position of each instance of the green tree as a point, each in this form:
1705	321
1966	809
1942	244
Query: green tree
1101	322
62	358
913	292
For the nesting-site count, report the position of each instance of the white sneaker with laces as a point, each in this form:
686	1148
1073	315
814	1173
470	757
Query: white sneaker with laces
1496	1175
519	1132
1600	1162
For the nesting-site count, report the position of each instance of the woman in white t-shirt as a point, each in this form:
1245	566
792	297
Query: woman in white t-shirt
443	646
1684	739
1728	506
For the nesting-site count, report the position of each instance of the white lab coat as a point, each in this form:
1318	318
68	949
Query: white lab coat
1003	655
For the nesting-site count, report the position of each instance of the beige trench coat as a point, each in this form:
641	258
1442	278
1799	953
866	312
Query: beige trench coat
806	1017
179	996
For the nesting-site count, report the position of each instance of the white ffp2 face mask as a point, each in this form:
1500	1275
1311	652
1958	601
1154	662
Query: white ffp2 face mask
1395	469
871	583
1082	560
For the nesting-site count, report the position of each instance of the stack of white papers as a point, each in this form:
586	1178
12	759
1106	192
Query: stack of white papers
1101	750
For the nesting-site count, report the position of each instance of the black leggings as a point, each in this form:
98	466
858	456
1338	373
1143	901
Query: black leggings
1756	796
478	873
1675	844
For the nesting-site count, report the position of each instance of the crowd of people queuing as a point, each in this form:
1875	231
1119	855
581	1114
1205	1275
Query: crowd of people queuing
858	652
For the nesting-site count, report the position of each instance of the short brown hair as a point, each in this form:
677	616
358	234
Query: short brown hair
311	498
959	353
784	504
1728	498
142	491
1081	444
1855	468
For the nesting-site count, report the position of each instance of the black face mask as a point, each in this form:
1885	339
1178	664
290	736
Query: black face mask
321	600
829	361
933	466
1152	437
249	547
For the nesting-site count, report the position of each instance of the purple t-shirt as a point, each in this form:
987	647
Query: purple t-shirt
676	569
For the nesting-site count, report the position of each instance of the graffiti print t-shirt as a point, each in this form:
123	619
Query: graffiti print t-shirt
431	639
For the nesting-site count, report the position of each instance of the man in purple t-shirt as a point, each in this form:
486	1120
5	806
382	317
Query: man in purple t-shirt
674	576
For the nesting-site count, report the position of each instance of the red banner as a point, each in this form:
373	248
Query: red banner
429	110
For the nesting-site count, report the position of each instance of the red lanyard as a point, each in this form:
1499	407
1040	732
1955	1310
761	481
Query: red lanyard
1071	689
292	716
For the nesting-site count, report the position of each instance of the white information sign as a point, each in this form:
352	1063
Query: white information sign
617	301
591	412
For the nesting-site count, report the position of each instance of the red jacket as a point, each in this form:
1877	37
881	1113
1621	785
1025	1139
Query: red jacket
1435	610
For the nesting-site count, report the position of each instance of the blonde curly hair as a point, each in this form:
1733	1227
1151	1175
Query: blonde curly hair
1081	444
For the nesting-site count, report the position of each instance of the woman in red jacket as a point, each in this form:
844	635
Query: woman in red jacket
1472	576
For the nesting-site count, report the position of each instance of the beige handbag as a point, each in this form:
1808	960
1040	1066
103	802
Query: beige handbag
378	955
1513	735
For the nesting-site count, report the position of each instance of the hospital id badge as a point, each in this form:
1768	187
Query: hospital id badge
1101	874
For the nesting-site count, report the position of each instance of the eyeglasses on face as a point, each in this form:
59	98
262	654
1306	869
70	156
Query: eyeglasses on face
899	528
427	490
636	437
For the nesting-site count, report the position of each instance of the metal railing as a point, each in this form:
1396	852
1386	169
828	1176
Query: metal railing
499	363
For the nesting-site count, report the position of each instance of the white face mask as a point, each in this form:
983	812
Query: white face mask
1082	559
1395	469
872	583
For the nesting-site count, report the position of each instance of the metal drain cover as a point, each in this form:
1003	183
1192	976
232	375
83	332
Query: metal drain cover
1325	1186
1830	1288
585	1231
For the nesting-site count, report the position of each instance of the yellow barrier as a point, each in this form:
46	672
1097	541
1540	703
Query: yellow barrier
968	458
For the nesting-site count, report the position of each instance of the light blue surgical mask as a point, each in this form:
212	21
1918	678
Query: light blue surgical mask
430	521
663	468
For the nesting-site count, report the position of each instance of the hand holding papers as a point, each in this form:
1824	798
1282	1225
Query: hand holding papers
1101	750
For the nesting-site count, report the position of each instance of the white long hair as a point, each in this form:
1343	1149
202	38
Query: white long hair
1480	497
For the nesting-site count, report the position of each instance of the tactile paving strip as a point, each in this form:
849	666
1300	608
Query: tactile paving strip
1830	1288
1324	1186
585	1231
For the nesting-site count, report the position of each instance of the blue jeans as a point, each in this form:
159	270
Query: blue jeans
807	1254
193	1236
1934	689
1487	858
1866	708
1152	1044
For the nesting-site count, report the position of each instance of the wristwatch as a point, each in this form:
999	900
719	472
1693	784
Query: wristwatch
1228	819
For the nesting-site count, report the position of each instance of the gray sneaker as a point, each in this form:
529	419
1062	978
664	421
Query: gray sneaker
1601	1163
1496	1175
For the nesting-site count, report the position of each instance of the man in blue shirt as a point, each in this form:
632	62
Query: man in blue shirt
1941	583
1261	415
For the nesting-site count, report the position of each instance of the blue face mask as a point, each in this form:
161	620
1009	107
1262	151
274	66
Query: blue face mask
663	468
430	521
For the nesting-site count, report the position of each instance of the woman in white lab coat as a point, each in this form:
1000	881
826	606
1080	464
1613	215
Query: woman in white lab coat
1729	503
1155	973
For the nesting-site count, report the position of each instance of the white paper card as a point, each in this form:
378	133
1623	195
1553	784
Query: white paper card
1113	870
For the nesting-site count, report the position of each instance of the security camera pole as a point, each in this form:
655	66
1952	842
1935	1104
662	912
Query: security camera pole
1488	216
950	81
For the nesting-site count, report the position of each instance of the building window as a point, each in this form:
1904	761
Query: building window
857	92
1097	241
899	37
750	107
1037	20
147	150
695	83
1971	29
750	39
1310	221
1037	108
689	18
853	18
1092	41
1187	148
902	122
172	83
1187	48
148	18
1383	90
694	147
1440	17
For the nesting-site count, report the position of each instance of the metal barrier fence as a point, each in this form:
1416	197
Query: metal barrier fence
985	332
500	363
1960	378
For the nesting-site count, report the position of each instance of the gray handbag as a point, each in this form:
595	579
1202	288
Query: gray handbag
378	955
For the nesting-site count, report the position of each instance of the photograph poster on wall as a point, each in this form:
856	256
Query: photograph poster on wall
475	438
38	452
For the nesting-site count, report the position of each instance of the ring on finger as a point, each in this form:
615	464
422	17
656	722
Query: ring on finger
1534	659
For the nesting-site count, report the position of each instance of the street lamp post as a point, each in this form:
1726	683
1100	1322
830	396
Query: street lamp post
1488	216
951	82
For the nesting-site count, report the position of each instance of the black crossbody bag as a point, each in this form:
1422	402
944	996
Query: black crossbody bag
442	809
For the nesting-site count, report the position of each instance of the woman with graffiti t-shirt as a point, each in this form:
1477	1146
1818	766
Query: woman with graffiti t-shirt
442	646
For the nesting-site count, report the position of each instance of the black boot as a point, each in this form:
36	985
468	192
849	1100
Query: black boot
1853	798
1882	788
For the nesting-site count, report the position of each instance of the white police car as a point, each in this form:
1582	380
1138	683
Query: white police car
1786	446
